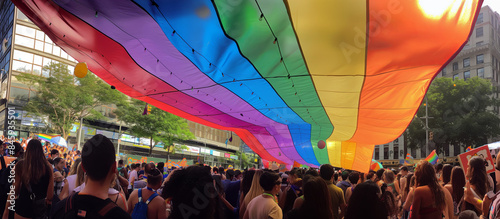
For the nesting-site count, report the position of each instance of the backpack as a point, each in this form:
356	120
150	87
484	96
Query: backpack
141	208
70	212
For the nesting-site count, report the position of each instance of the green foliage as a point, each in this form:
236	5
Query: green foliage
245	161
463	114
158	126
65	98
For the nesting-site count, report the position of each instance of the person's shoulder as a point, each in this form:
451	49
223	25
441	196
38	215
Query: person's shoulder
117	212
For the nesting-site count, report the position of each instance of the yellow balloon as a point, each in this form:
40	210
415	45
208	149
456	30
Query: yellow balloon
81	69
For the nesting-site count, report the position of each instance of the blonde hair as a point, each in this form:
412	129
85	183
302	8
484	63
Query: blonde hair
80	175
255	189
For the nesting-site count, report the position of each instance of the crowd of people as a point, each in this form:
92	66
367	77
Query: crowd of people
36	185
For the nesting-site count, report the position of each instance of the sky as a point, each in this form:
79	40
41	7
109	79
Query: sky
494	4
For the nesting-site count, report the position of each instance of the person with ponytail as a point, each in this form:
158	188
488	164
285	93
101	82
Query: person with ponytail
476	184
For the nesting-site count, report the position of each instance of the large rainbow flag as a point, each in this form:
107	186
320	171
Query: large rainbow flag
408	159
432	158
282	75
46	137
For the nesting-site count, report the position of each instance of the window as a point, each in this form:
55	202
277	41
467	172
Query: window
26	31
455	76
386	153
396	151
21	66
375	154
48	48
443	73
480	72
479	59
39	45
479	18
479	32
40	35
466	75
24	41
23	56
466	62
455	66
479	43
21	16
19	93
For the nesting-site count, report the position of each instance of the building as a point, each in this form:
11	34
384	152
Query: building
25	48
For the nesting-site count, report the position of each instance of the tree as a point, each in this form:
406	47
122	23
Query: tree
64	98
158	126
463	114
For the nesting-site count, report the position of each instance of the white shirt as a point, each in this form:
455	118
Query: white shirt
71	182
133	174
263	207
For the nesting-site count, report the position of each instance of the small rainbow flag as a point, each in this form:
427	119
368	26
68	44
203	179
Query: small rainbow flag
468	149
408	159
432	158
45	137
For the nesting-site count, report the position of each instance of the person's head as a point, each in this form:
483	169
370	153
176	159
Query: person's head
476	173
54	153
425	175
149	167
439	168
120	163
143	166
365	202
59	163
270	182
246	182
237	174
371	175
457	183
160	166
379	174
17	150
408	182
345	175
80	175
317	201
354	177
255	188
229	174
188	184
388	176
311	172
74	167
326	172
137	167
221	170
215	170
404	171
155	178
295	174
34	165
446	173
98	159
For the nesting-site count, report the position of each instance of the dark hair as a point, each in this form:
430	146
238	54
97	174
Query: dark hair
229	174
120	162
354	177
237	173
57	160
457	183
317	201
98	148
479	177
34	166
408	181
379	173
246	182
365	203
132	166
297	172
390	203
426	176
311	172
53	151
155	177
335	176
160	166
326	172
149	167
17	148
143	165
439	167
215	170
345	175
268	180
404	168
447	173
370	175
193	183
221	170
